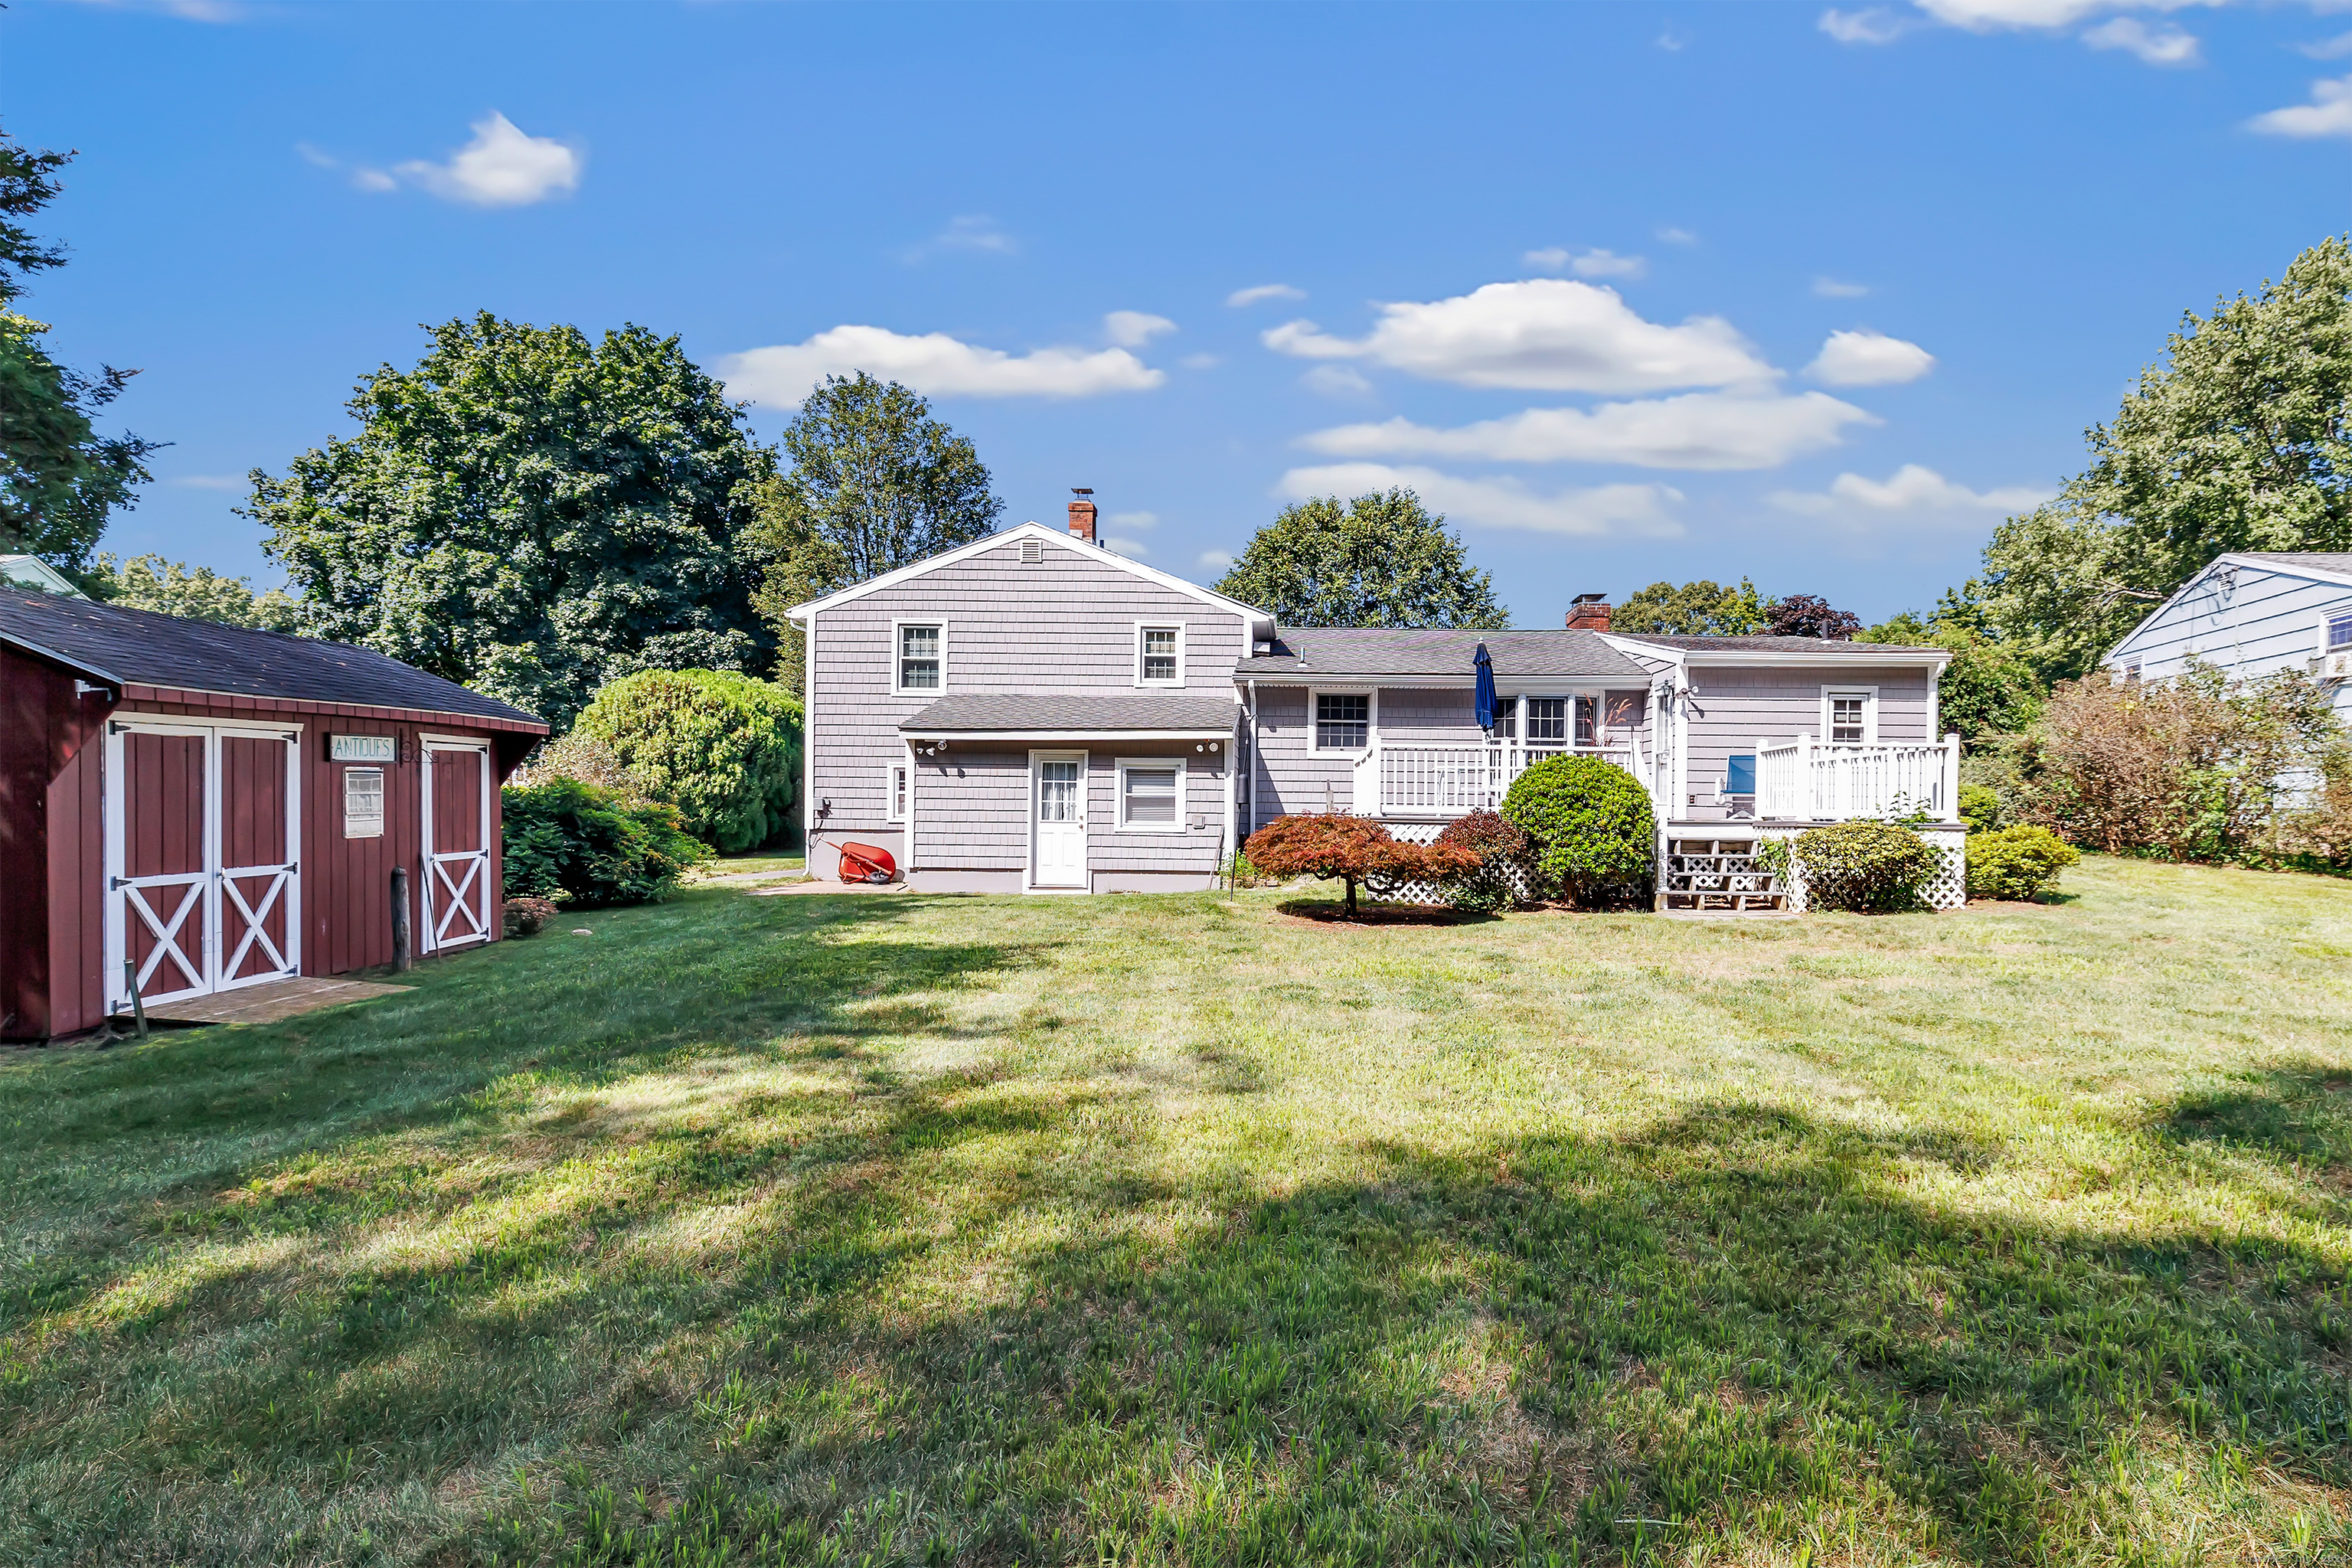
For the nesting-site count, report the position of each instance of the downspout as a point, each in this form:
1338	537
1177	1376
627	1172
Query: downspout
808	741
914	777
1253	756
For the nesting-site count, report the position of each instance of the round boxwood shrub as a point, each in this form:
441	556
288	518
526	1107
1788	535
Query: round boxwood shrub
723	748
1871	867
1504	851
585	847
2016	862
1594	832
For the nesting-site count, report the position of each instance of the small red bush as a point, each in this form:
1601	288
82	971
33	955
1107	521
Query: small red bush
527	917
1354	849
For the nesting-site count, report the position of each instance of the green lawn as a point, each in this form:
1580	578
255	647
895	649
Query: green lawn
865	1230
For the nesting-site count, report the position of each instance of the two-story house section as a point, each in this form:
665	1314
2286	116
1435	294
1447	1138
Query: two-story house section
2252	613
1027	713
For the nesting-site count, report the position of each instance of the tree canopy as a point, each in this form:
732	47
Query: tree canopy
1693	610
2242	439
1380	560
59	479
875	482
1988	688
1809	615
533	514
194	593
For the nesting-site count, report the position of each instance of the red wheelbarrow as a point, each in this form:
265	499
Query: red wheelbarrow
867	863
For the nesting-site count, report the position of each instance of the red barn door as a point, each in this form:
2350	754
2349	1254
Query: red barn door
201	887
457	898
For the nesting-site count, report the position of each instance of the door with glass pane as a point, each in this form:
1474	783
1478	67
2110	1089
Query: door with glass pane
1057	819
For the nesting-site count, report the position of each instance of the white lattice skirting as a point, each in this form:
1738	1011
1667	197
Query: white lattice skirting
1947	889
1430	892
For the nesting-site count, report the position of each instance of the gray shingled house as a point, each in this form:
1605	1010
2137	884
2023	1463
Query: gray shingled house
1033	713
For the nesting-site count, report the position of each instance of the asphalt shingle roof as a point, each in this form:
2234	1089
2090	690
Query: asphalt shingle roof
1312	651
151	649
2318	561
1780	645
1011	713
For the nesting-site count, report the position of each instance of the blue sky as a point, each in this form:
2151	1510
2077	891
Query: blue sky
1629	291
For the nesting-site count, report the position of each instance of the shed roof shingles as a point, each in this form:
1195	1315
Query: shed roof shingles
1013	713
143	647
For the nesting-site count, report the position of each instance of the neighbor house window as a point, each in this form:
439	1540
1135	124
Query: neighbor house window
2340	632
363	802
1547	719
1343	721
900	787
1158	655
1148	795
1849	718
921	657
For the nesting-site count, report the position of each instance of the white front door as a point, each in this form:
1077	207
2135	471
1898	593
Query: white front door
1057	816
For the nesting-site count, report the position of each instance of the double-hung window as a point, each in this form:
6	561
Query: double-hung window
1343	721
1546	719
2339	632
1151	795
1160	656
1850	718
1586	714
922	657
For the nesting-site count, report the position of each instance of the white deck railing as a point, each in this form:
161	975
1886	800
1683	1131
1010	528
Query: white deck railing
1806	780
1449	781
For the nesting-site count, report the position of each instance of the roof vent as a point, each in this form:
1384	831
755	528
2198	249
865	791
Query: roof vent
1033	551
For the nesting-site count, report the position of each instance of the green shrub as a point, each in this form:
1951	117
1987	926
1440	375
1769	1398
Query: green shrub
1503	848
1980	808
1594	832
721	747
2016	862
588	849
1874	867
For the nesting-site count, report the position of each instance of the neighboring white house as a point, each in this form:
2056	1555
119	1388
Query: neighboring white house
32	571
2252	613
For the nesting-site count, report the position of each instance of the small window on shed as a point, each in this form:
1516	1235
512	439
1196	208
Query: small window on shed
363	802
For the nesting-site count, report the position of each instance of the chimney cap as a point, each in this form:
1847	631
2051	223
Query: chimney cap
1592	599
1082	490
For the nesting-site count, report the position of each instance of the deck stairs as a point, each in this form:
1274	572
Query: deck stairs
1718	876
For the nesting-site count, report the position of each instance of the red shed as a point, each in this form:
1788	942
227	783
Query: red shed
219	806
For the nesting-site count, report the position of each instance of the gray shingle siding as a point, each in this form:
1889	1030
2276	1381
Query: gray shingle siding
1735	707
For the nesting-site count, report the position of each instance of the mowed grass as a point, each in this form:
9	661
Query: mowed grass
865	1230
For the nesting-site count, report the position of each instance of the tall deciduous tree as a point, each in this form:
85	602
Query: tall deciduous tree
1809	615
1697	609
2242	439
59	479
1380	560
875	482
194	593
533	514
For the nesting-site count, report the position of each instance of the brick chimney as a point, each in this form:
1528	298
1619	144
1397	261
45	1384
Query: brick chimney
1589	613
1082	514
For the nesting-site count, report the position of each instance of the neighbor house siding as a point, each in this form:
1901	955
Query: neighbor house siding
2268	620
1064	624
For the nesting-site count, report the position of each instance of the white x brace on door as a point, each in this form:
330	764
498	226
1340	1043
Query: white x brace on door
456	808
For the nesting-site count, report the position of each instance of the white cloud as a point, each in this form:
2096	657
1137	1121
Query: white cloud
1136	522
1263	291
501	167
373	180
1337	380
1133	329
1604	510
1994	15
1131	548
1586	264
974	233
1672	235
1544	334
1215	560
317	157
1869	359
2333	48
1832	288
1911	489
1697	430
1200	362
2165	46
211	482
2329	113
934	363
1876	25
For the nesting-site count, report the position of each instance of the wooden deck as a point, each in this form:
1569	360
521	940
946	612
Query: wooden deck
265	1003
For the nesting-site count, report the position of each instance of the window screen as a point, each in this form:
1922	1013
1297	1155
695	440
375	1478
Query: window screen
1343	721
363	802
1159	653
1547	719
1151	799
918	659
1845	721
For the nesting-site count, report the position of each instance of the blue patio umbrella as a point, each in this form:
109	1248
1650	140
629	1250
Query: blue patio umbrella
1485	668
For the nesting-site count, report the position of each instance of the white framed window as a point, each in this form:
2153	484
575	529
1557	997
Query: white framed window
1849	715
898	786
1159	653
2128	673
1505	726
919	657
363	802
1546	719
2336	631
1151	794
1343	721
